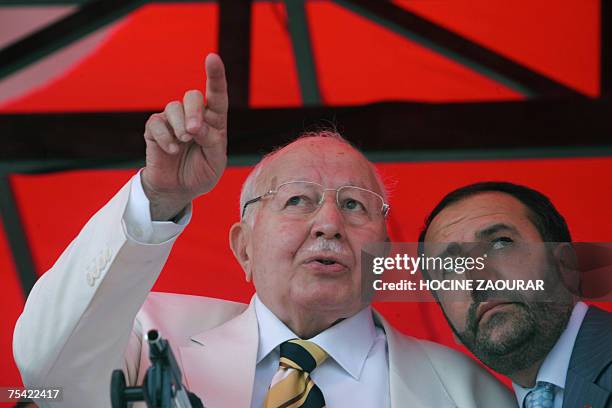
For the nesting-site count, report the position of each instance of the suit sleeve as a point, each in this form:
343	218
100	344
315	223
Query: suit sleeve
77	324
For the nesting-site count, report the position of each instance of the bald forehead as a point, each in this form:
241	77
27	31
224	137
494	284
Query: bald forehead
321	159
317	145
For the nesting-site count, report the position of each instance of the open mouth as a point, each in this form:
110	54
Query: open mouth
325	264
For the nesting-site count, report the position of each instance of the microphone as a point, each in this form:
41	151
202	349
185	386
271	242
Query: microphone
162	385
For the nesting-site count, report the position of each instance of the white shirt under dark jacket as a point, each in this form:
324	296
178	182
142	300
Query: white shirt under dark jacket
356	374
554	368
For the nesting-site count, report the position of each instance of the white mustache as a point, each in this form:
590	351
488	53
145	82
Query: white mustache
326	245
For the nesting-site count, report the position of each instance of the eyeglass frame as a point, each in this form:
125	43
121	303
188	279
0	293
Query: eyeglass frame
384	209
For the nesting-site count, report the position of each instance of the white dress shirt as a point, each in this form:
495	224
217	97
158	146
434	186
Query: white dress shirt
555	365
356	373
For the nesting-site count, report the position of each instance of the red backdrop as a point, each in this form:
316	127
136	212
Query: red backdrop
157	52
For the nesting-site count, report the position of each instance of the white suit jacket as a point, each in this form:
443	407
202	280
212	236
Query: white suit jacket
89	313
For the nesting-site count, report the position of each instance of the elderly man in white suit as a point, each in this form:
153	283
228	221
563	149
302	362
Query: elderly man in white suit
307	210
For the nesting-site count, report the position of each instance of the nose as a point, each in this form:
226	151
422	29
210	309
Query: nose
328	221
488	273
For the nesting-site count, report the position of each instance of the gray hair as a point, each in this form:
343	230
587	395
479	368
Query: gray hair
250	184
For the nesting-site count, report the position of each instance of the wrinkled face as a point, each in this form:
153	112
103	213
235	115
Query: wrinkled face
312	261
508	331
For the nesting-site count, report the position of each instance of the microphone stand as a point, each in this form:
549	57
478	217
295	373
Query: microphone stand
162	385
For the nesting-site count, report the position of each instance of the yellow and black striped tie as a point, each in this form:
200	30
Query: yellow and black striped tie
292	386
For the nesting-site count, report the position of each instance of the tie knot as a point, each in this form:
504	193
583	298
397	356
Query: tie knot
542	396
543	385
302	355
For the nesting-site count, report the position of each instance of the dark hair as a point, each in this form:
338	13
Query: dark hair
541	212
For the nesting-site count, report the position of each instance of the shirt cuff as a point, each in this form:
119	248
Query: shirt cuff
137	218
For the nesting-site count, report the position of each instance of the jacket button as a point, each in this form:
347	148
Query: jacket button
95	272
90	279
108	254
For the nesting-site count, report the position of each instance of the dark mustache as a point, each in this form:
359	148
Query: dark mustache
480	296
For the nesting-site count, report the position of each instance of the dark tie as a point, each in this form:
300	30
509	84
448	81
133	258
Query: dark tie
292	386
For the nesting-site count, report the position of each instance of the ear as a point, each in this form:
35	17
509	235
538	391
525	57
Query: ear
567	264
240	243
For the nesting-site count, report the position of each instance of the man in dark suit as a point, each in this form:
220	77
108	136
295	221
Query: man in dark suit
556	350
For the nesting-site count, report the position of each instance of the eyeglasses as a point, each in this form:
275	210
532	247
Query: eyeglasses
297	199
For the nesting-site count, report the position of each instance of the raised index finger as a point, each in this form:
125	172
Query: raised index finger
216	85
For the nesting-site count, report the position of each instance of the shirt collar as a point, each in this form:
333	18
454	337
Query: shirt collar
555	365
347	342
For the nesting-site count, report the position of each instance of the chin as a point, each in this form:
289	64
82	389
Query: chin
326	299
502	335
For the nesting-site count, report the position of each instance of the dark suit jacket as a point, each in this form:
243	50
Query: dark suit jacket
589	376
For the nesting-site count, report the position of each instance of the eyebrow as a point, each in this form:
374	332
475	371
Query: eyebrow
484	233
494	229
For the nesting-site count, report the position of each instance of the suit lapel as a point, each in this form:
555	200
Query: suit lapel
591	355
219	364
580	392
412	380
